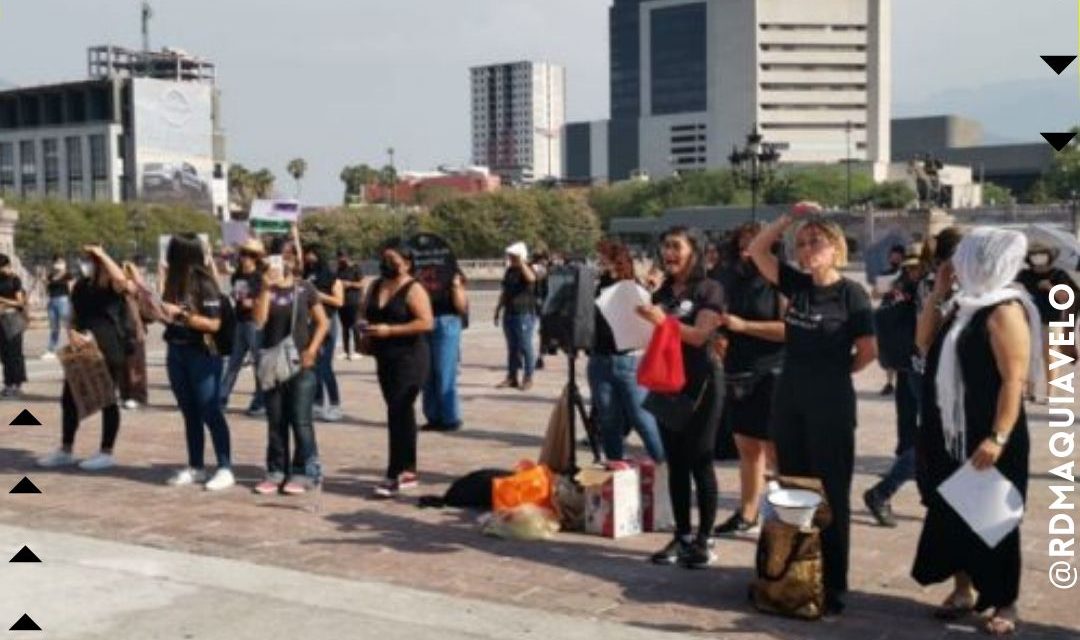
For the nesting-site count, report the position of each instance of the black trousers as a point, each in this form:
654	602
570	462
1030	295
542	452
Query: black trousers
690	453
813	428
402	373
110	416
350	334
14	362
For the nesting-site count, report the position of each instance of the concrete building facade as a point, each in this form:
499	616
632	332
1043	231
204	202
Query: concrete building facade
518	114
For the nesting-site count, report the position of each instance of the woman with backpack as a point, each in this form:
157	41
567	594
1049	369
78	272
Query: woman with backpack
194	311
293	325
99	316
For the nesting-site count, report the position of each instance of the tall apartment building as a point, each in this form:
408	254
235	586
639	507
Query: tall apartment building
518	113
144	126
691	78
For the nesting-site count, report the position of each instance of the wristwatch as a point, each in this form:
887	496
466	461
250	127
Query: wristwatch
999	439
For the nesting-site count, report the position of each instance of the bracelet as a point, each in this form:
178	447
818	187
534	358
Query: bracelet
1000	439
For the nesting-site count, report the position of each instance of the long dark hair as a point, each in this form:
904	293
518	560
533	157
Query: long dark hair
698	243
186	265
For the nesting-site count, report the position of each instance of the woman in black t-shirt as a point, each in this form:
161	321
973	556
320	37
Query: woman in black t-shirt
13	308
698	303
352	280
191	303
518	300
829	337
58	288
332	297
288	306
99	315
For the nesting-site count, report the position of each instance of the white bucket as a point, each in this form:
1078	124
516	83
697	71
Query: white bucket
795	506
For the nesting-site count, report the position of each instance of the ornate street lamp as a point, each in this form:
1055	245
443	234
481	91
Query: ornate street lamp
752	164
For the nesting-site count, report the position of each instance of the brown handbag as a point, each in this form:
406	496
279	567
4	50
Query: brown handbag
790	572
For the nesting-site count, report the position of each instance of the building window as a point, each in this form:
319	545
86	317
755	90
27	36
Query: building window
99	168
7	168
74	156
50	151
679	60
28	167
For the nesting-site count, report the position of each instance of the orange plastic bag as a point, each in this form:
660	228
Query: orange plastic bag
661	368
531	484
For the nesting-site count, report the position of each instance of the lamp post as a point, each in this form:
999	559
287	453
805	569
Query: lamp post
751	164
137	224
393	179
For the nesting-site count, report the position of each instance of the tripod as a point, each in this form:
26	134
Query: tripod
577	410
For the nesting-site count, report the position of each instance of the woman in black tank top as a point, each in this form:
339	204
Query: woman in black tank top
398	312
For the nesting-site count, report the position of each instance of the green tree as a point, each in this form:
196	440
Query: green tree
355	178
297	167
995	194
891	195
1062	180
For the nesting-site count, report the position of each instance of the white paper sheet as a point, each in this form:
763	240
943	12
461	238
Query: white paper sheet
618	304
987	501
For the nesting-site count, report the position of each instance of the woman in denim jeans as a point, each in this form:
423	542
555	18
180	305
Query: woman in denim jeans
58	287
332	296
616	395
288	306
191	305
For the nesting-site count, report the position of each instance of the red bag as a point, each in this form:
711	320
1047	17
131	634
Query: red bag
661	368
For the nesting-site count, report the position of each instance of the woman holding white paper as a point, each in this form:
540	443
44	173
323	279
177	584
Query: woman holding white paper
982	350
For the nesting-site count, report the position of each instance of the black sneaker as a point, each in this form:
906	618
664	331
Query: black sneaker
673	553
432	426
879	508
699	556
738	526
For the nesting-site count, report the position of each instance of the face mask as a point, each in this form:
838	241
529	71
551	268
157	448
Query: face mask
87	268
1039	259
387	269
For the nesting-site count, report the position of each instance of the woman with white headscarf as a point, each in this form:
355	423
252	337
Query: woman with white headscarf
982	351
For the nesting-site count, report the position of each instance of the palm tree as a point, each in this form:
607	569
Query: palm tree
356	177
297	167
262	183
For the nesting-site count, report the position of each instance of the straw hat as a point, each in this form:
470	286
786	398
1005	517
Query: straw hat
913	255
253	246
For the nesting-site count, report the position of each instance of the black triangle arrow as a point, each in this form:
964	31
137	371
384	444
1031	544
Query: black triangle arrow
25	555
25	486
25	623
1058	63
25	419
1059	140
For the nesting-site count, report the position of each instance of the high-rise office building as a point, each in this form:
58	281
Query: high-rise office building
691	78
518	113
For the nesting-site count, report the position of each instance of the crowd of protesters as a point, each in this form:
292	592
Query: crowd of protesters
769	346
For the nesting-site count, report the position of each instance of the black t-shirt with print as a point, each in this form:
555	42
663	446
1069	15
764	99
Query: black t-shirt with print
1038	286
245	288
279	322
519	295
823	322
700	295
750	297
203	299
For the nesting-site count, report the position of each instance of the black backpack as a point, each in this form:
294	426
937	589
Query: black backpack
226	333
471	491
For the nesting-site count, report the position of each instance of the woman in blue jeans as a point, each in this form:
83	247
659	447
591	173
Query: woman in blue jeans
191	304
518	300
288	307
616	395
58	288
332	296
442	404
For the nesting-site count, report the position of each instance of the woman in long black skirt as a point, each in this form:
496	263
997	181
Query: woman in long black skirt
976	372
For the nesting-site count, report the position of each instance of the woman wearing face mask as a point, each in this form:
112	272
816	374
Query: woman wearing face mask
754	327
12	303
99	316
58	288
698	303
829	334
616	395
289	307
1038	279
191	303
984	351
246	284
399	315
332	297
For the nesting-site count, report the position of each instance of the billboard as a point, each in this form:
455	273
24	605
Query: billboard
174	142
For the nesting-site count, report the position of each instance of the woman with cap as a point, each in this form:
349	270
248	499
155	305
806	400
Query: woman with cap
1039	278
973	413
518	300
829	337
247	283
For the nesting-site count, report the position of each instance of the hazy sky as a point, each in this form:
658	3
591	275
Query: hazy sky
338	81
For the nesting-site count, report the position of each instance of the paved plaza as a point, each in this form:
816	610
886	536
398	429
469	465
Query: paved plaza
185	563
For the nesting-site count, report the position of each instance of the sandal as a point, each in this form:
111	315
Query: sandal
958	605
1000	624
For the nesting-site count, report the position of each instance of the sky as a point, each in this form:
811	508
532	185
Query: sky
337	82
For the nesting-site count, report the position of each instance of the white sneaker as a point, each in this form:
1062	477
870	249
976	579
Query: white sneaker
48	355
187	477
58	458
333	413
223	479
98	462
131	405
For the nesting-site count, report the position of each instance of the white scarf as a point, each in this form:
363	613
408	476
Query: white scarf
986	261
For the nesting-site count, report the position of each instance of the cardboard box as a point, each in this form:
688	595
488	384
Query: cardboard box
656	514
612	502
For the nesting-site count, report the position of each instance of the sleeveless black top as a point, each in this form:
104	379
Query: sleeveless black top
396	311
